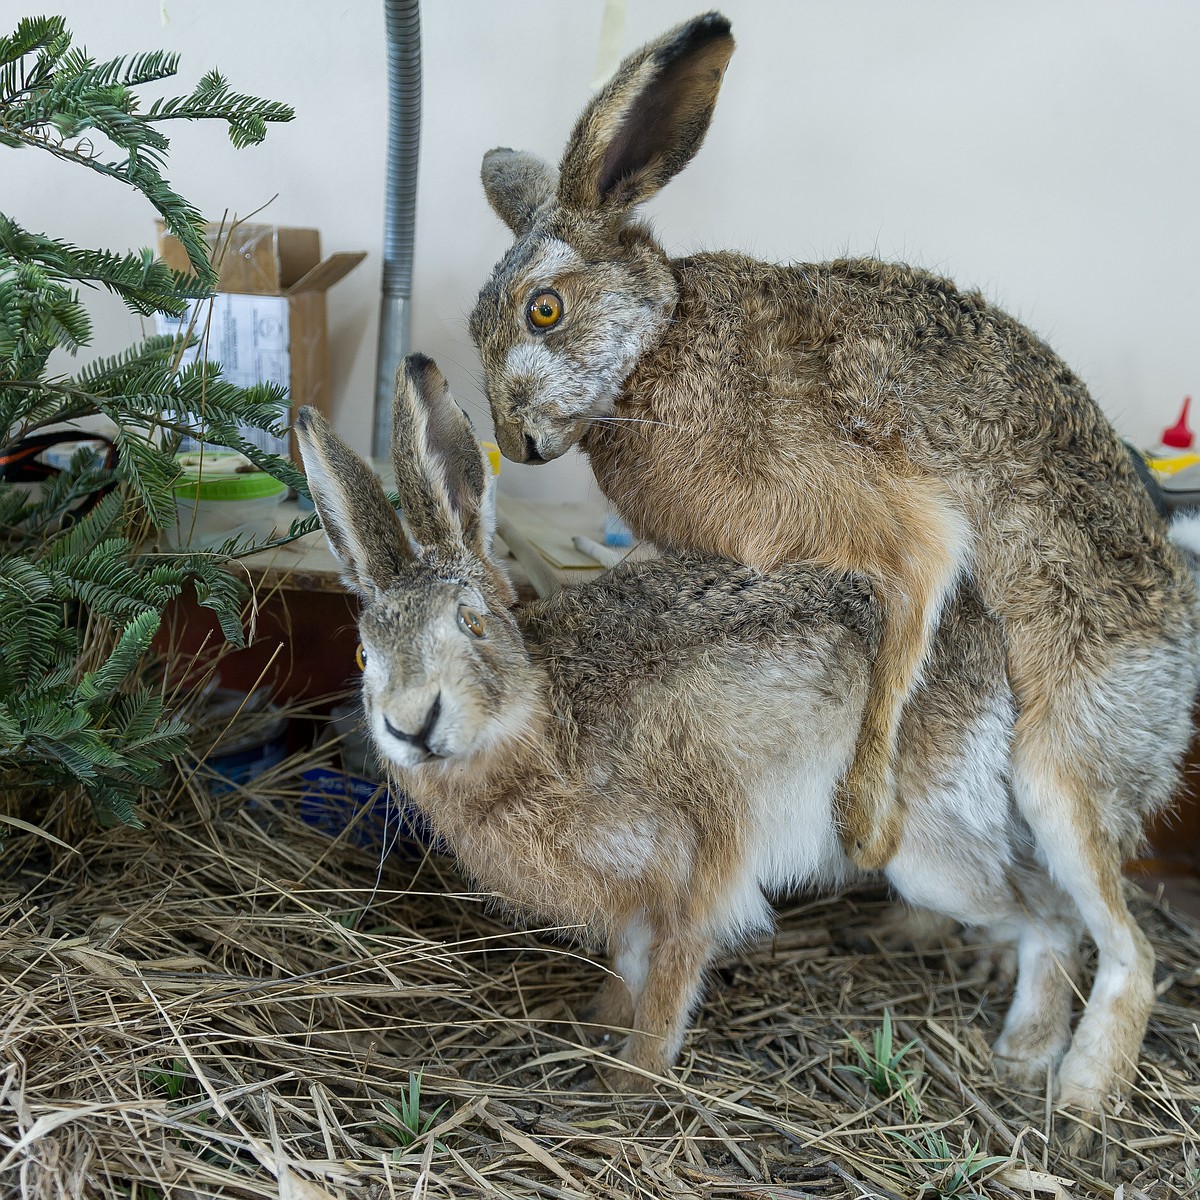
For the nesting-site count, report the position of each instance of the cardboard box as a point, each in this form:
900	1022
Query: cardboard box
268	322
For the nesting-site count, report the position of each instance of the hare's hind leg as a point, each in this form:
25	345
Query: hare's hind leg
1037	1028
920	570
1062	801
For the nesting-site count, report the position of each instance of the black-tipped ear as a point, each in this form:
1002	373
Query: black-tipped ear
441	475
649	120
516	186
363	530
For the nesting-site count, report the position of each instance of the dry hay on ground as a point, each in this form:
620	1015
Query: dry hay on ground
229	1004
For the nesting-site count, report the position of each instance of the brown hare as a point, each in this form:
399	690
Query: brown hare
652	754
873	418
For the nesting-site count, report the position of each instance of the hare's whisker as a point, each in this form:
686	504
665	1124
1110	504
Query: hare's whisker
637	421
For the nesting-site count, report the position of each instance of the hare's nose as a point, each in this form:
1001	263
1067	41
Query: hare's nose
420	739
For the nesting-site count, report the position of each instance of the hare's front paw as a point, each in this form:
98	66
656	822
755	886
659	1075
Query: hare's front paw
625	1082
641	1060
871	821
611	1009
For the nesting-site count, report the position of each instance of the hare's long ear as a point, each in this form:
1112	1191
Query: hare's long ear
648	121
441	475
364	532
516	186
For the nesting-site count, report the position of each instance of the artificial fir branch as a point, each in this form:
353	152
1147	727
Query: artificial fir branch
82	592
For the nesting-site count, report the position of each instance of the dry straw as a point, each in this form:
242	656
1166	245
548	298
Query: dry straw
229	1003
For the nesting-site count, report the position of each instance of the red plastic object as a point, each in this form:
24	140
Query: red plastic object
1179	436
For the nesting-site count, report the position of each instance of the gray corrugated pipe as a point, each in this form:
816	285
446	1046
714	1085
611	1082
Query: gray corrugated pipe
402	20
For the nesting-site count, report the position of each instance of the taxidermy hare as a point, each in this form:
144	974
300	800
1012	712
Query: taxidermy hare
872	418
650	753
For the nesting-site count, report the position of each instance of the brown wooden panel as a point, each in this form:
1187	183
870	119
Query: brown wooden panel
1174	838
303	648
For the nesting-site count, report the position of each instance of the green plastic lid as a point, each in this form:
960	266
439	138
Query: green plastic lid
217	475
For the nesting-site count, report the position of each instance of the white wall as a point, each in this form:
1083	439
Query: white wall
1044	150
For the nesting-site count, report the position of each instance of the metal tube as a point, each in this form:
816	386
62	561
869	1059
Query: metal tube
402	20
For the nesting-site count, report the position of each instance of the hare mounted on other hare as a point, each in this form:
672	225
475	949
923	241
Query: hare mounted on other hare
871	418
654	752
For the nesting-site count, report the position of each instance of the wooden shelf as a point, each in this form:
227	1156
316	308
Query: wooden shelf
307	567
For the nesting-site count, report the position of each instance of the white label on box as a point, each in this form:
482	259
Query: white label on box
248	336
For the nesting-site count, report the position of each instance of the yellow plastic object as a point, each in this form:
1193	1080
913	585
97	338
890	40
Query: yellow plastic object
1169	464
493	453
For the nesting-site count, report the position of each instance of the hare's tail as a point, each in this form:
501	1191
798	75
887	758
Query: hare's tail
1185	533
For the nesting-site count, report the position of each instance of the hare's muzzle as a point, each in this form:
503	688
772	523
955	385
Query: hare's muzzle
423	737
519	443
528	440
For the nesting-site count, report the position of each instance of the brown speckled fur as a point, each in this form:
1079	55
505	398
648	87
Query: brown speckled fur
647	754
874	418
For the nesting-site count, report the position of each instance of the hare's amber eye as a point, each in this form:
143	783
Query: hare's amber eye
360	657
545	310
471	621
